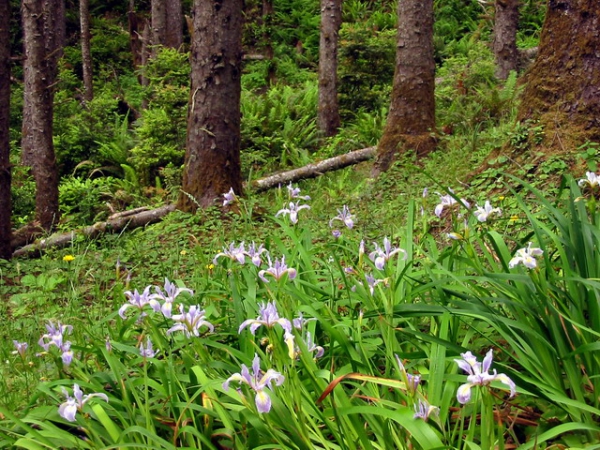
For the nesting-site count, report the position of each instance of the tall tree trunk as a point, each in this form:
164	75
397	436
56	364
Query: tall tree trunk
159	24
174	18
562	89
86	54
144	55
212	158
135	41
505	37
411	120
40	70
328	117
5	200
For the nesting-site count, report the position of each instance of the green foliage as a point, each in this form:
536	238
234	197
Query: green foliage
279	126
367	62
83	200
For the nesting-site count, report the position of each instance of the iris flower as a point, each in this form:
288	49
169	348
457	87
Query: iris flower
525	256
448	200
292	210
423	410
343	216
254	253
190	322
137	300
234	253
169	295
69	408
146	350
269	317
294	192
479	375
591	180
381	255
484	213
21	348
277	270
229	197
258	381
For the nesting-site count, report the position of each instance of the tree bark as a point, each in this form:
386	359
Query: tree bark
314	170
411	120
562	91
86	54
159	25
5	171
328	117
174	19
212	159
135	42
40	69
506	22
111	226
267	24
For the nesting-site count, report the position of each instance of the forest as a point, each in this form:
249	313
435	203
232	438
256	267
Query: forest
299	224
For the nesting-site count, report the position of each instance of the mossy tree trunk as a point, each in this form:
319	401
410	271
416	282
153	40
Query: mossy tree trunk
506	22
212	159
411	120
328	117
5	174
562	88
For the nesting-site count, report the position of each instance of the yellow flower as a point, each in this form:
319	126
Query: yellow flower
68	258
501	198
210	266
514	218
183	252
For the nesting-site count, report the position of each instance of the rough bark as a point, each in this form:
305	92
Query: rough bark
328	116
5	173
135	42
111	226
86	54
315	169
411	119
506	22
562	90
212	159
159	24
39	73
174	18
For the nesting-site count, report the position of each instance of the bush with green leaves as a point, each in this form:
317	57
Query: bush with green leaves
83	200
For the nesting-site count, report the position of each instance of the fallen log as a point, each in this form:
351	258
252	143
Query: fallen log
110	226
140	217
314	170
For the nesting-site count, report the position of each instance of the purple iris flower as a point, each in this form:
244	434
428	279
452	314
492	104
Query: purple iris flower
343	216
448	200
190	322
269	317
229	197
277	270
479	375
137	300
147	351
292	210
234	253
254	253
294	192
381	255
21	348
258	381
423	410
69	408
169	295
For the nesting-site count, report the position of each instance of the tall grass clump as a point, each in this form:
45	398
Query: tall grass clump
463	329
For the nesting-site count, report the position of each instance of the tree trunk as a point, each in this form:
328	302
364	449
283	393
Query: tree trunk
174	18
267	24
86	55
328	118
562	89
159	25
212	158
411	120
505	37
40	69
5	199
135	42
